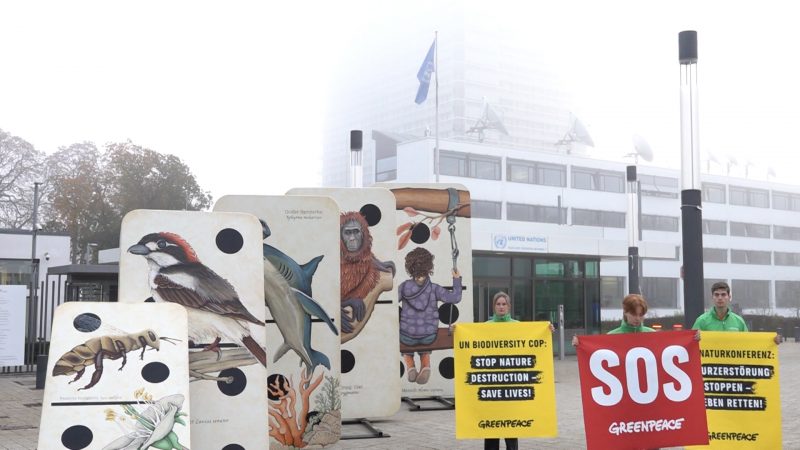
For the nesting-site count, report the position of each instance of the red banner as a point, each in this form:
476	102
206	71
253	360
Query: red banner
642	390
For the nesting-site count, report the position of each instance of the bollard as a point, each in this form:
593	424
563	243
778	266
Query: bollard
41	370
779	330
797	335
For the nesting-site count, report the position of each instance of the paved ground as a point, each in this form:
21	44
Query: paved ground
20	407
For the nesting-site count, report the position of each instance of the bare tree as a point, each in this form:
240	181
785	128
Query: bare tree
20	166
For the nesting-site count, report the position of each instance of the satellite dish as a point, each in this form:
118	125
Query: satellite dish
770	172
712	158
642	148
732	160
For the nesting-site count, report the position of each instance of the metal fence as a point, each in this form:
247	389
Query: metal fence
39	315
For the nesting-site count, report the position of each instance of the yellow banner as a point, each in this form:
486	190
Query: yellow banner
504	382
742	390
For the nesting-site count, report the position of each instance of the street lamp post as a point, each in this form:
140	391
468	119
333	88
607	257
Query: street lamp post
633	230
356	168
34	290
691	207
34	231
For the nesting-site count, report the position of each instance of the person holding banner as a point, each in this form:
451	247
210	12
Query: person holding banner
720	317
634	308
501	305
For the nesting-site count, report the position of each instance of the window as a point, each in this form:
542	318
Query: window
15	271
750	293
655	186
536	213
534	172
598	180
491	266
788	233
386	169
484	209
786	201
713	193
469	165
715	227
660	292
751	257
787	259
755	230
743	196
612	289
659	223
715	255
787	294
597	218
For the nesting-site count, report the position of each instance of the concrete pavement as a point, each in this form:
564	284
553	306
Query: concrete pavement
20	408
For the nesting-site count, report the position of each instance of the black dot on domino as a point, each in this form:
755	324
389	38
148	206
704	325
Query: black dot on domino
348	361
229	241
155	372
237	384
448	313
86	322
77	437
371	213
421	233
446	368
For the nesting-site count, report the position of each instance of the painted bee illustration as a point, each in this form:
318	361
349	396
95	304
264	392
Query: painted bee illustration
95	350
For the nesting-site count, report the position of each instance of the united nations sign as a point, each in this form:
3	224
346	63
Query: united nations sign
519	242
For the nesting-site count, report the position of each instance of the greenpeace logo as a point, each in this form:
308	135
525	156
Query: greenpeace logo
645	426
732	436
510	423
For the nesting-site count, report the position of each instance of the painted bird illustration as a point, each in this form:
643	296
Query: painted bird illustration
214	309
287	291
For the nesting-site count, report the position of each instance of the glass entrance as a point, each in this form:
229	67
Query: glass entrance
483	292
538	285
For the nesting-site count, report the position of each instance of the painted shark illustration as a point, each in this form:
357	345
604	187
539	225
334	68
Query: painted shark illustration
285	285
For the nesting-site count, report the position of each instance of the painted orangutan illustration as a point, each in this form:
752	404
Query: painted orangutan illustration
363	276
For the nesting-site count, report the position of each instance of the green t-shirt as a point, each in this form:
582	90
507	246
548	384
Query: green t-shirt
506	318
625	327
708	321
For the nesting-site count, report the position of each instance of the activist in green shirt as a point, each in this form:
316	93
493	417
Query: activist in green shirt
720	317
634	308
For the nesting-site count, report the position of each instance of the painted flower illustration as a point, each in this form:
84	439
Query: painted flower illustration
151	428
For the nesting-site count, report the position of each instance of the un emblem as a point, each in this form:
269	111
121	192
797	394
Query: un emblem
500	241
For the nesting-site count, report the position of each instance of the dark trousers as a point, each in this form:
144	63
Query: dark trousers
494	444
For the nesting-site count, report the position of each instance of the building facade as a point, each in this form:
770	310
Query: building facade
478	64
552	229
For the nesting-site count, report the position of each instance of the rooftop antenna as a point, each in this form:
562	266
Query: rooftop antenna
747	165
640	149
577	132
731	162
771	172
711	158
488	120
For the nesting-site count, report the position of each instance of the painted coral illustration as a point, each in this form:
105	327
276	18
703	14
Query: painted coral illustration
292	422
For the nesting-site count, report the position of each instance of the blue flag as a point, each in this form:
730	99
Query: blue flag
424	75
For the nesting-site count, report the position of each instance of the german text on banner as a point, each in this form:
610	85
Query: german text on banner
504	380
642	390
742	389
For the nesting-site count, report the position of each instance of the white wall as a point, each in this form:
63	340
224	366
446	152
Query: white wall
52	250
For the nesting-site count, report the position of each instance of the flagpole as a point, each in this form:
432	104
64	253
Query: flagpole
436	83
